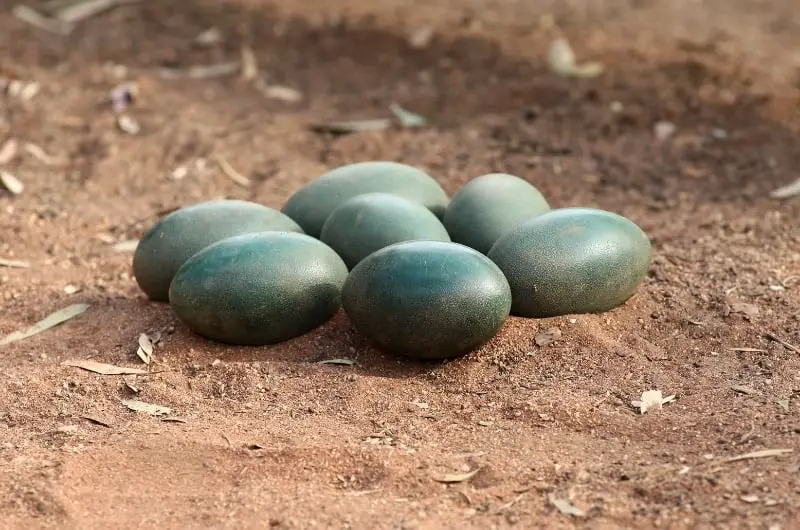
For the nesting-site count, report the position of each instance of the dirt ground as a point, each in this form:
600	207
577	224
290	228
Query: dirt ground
269	437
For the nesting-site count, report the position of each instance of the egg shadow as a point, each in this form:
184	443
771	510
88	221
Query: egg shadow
336	341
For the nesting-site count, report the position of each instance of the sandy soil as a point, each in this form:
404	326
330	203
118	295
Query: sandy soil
268	437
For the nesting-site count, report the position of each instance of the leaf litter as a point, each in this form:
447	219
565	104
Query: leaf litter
229	171
103	368
149	408
52	320
145	350
342	362
566	507
787	192
11	183
651	400
407	118
404	117
126	246
14	264
454	478
766	453
352	126
562	61
9	151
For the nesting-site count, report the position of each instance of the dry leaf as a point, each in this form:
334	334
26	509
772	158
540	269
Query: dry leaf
8	152
14	264
96	421
34	18
651	399
141	406
203	72
744	389
562	61
353	126
128	125
566	507
102	368
249	64
784	404
343	362
232	174
453	478
11	183
174	419
766	453
407	118
145	351
48	322
39	154
788	191
71	289
777	339
548	336
209	37
752	350
78	11
421	37
282	93
126	246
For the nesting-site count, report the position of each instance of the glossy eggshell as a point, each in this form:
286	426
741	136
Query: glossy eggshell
488	207
369	222
259	288
181	234
572	260
311	205
427	299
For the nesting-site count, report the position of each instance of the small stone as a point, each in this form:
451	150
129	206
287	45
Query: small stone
664	129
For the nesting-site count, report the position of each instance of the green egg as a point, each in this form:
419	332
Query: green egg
427	299
488	207
571	261
369	222
311	205
258	288
178	236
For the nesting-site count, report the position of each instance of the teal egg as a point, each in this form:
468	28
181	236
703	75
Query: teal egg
178	236
489	206
311	205
259	288
369	222
572	260
427	299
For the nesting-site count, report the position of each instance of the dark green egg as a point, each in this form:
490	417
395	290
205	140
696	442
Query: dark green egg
427	299
258	288
369	222
572	260
184	232
311	205
488	207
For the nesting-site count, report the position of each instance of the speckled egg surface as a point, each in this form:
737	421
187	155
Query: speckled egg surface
369	222
572	260
258	288
311	205
181	234
427	299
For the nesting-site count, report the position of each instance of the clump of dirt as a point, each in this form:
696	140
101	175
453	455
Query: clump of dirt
684	140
